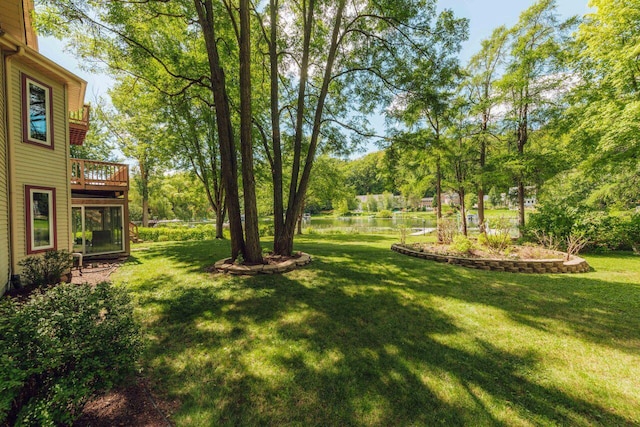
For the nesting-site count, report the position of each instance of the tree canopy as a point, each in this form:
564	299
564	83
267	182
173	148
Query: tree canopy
259	101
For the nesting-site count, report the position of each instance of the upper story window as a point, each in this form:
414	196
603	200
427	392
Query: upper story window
37	112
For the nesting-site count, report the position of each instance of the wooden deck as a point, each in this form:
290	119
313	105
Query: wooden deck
78	125
99	176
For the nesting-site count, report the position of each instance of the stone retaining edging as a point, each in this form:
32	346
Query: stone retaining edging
574	265
227	266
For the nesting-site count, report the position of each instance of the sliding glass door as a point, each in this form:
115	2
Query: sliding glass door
97	229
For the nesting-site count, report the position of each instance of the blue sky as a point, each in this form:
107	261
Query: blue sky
484	16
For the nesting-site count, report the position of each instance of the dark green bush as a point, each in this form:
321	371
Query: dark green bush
631	230
552	220
602	230
266	230
45	269
61	346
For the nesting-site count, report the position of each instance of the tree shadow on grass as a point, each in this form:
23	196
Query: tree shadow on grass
299	354
594	309
193	256
369	376
348	340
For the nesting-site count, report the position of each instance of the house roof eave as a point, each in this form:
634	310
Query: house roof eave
77	86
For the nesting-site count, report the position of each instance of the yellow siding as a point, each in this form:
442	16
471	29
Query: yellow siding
4	205
12	19
41	166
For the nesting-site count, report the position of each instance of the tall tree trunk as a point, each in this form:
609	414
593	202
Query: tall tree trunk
145	212
483	161
463	210
220	222
228	159
439	200
144	189
523	136
276	167
460	175
481	225
252	249
521	206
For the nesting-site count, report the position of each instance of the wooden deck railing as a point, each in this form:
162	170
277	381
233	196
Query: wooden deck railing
90	174
78	125
81	116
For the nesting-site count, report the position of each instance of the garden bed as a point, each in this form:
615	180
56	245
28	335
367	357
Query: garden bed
553	262
272	264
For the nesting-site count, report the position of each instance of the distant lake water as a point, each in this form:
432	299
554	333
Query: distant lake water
361	224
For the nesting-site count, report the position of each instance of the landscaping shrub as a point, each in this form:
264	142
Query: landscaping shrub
384	214
403	233
447	230
461	244
266	230
601	230
632	232
552	220
45	269
499	238
61	346
175	233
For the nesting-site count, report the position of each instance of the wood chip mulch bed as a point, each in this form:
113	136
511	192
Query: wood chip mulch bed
133	405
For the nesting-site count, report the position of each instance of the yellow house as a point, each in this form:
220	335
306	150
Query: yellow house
41	112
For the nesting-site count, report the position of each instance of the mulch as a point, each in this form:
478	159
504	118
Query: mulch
133	405
96	271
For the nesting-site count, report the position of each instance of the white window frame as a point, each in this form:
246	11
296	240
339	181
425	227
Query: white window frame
51	193
48	92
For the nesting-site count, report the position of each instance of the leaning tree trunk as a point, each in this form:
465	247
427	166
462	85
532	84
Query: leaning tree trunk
228	159
283	240
283	244
216	203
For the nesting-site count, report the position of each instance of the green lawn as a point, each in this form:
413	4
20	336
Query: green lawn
366	336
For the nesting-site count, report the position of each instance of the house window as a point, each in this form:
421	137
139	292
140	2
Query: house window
37	123
41	219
